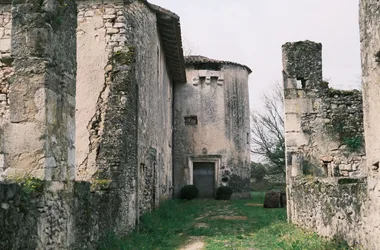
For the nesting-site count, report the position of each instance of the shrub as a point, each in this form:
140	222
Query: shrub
223	193
189	192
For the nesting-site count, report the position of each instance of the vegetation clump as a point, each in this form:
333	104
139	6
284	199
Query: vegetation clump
347	130
189	192
353	143
124	57
223	193
32	185
100	184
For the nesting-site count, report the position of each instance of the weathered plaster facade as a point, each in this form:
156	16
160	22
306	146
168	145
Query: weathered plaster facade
211	121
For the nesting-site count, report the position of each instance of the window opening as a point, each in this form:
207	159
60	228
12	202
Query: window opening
301	83
191	120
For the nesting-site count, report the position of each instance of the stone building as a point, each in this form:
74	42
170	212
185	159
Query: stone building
211	144
342	203
87	105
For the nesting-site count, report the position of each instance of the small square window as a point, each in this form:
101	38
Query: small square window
191	120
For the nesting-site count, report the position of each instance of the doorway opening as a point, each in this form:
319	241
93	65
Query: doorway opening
204	178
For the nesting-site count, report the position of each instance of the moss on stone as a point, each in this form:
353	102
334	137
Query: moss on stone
347	181
7	61
347	131
354	143
124	57
100	184
30	186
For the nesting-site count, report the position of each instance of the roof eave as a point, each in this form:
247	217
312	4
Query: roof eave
170	32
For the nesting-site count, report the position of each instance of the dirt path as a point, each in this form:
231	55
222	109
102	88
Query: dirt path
225	212
194	243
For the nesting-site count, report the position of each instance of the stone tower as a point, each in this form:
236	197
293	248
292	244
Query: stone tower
211	127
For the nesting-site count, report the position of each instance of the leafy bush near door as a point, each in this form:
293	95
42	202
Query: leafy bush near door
189	192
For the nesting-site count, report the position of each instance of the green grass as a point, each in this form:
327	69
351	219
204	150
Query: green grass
242	224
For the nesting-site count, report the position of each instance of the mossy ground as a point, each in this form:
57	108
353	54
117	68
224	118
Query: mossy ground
242	224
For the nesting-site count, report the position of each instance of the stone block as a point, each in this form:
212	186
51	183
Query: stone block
111	31
112	17
5	45
89	13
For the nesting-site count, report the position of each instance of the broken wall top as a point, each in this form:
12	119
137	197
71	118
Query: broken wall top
303	60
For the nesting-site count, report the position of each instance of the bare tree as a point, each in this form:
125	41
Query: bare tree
188	47
267	130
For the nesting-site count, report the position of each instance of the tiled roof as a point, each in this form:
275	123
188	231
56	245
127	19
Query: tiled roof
170	32
198	60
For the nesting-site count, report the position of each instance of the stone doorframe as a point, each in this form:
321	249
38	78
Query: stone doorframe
216	159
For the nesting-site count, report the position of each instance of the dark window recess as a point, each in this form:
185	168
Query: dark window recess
191	120
375	166
325	167
289	159
377	56
301	83
248	140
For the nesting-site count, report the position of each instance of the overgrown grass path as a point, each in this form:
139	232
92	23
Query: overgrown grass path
211	224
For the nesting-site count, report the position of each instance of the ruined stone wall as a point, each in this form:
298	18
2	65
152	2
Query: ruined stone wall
370	57
154	109
331	207
6	73
38	214
323	126
38	141
218	100
325	153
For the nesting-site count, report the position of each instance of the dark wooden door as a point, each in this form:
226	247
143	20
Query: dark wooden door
203	178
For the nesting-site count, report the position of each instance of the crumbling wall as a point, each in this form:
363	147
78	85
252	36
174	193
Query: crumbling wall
38	141
370	57
107	107
6	73
217	101
36	214
331	207
324	144
101	33
323	126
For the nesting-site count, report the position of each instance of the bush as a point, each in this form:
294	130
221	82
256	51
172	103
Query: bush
223	193
189	192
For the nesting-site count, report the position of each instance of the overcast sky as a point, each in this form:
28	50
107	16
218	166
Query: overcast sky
251	32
